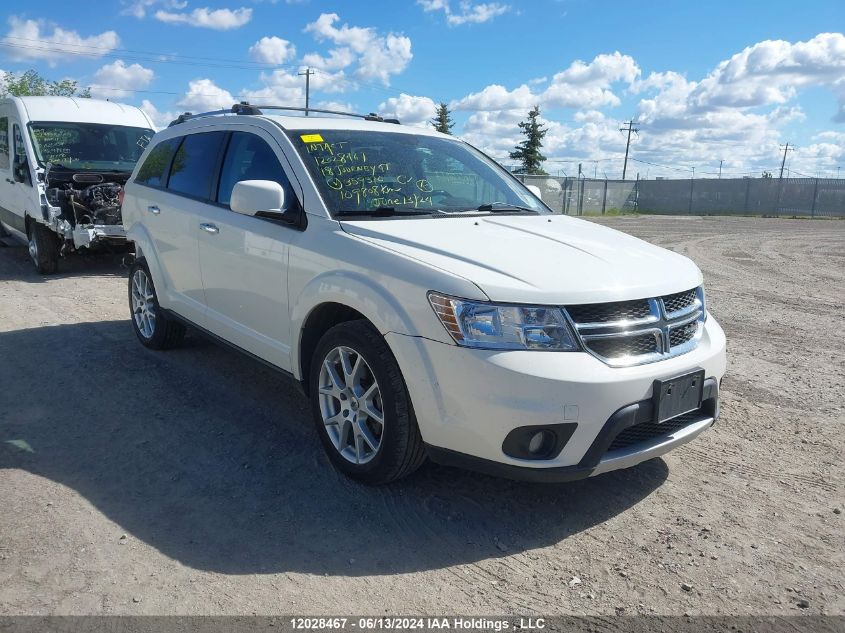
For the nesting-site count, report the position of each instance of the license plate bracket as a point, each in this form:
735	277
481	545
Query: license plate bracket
678	395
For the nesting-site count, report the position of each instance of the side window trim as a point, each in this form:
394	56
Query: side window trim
218	172
166	174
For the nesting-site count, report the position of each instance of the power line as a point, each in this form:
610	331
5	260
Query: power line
630	128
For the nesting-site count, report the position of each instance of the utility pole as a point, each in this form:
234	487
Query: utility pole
720	168
629	128
307	72
786	148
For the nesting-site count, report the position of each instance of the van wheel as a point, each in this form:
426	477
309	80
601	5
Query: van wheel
152	326
43	248
361	406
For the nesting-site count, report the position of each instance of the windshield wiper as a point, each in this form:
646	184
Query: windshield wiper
499	207
383	212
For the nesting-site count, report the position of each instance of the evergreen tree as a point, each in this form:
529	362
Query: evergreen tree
528	151
442	120
30	84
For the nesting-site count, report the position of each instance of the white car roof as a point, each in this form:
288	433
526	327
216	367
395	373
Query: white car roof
81	110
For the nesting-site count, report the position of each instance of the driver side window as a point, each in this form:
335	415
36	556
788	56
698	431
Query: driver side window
249	157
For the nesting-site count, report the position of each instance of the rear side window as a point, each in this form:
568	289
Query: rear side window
249	157
194	164
154	170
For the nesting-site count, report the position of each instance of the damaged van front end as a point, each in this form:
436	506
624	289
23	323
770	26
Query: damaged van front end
83	206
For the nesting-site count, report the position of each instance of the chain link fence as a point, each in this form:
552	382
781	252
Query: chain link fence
811	197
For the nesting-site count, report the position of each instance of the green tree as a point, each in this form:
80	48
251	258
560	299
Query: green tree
31	84
528	151
442	120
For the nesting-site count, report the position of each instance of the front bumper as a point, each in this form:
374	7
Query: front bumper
84	237
468	401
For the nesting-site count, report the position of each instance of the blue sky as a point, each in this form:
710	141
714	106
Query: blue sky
728	81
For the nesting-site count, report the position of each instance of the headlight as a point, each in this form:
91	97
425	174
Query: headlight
512	327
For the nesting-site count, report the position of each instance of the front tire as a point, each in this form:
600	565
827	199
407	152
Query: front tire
361	406
44	248
152	326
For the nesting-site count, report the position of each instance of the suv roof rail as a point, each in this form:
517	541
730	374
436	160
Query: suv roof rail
246	108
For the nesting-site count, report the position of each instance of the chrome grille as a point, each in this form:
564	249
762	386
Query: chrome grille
623	346
680	301
638	331
609	312
682	334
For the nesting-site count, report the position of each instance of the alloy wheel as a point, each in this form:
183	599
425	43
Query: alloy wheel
351	405
143	304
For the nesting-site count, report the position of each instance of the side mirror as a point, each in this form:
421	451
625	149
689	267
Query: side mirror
535	190
21	172
250	197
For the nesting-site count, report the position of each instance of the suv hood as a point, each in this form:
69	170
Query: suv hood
536	259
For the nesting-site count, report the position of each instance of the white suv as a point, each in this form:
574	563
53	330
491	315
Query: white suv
428	303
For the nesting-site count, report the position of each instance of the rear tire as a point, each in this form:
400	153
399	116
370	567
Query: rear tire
44	246
361	406
152	326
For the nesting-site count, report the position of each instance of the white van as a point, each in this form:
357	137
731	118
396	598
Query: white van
63	164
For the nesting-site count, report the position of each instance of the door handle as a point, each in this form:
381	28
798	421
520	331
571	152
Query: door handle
210	228
153	209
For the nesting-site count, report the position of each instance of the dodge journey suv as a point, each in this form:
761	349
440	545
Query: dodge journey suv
430	305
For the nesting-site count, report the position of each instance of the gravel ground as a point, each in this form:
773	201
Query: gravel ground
191	482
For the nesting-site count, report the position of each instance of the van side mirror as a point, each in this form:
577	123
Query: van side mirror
21	171
251	197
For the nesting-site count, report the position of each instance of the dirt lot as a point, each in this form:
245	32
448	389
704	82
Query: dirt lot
191	482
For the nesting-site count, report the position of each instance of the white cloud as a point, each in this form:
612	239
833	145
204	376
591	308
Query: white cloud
378	56
409	109
217	19
468	12
204	95
160	119
770	72
32	40
336	59
272	50
118	81
138	8
581	85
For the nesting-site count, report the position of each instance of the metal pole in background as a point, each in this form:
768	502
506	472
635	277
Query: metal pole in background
630	128
691	186
604	198
308	72
815	193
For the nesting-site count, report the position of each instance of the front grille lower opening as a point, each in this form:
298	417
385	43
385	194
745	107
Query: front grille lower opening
648	431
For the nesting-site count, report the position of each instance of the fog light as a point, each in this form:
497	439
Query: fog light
538	442
535	445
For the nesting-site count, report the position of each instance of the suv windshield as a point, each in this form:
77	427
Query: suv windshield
363	173
89	145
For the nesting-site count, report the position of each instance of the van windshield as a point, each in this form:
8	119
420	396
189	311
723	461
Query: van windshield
88	145
361	173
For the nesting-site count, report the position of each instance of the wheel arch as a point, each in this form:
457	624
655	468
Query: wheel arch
336	298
